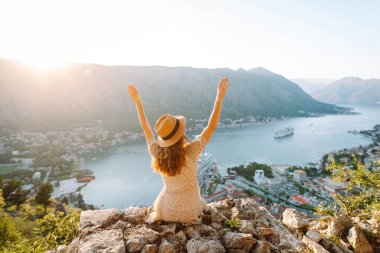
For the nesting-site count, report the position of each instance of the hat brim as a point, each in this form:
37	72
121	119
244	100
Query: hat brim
181	130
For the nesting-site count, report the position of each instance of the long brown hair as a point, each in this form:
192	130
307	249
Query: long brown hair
170	160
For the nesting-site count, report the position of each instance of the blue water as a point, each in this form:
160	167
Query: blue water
124	177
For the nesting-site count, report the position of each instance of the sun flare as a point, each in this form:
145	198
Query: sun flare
43	64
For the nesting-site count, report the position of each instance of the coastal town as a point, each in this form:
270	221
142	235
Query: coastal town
55	157
282	186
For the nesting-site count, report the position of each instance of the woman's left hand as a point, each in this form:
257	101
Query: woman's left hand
133	93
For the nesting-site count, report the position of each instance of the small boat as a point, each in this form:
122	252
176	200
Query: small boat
288	131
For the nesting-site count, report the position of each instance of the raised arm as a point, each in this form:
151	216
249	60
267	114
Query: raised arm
214	118
140	111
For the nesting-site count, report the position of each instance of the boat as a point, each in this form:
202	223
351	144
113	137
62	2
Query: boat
288	131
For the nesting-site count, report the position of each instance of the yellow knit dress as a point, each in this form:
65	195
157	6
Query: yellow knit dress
180	199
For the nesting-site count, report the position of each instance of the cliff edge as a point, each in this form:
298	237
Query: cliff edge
237	225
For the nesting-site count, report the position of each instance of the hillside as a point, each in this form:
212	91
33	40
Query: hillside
84	93
351	90
236	225
311	86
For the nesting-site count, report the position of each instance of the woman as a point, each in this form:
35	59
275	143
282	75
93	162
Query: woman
175	157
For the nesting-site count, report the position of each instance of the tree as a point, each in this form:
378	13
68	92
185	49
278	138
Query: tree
362	193
43	194
13	192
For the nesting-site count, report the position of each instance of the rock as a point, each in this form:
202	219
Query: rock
204	230
293	219
261	231
240	241
247	208
262	247
332	247
61	249
103	241
121	225
73	246
202	245
339	225
358	240
166	247
190	232
234	213
137	239
246	227
312	245
99	218
150	248
134	214
169	229
318	225
314	235
180	237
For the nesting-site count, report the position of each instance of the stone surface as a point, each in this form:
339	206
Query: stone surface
202	245
358	240
111	231
150	248
314	235
137	239
293	219
134	214
246	226
339	225
99	218
262	247
110	241
240	241
312	245
166	247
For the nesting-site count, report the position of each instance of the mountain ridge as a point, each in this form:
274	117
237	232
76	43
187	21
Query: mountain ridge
83	93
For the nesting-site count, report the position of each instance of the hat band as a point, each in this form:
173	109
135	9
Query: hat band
172	133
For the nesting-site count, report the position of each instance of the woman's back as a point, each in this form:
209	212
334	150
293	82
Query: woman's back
180	198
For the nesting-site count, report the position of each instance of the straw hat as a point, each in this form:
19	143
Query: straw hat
169	129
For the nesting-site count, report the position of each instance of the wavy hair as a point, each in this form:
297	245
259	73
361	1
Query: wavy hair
169	160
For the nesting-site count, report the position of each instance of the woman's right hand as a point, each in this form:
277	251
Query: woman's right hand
222	89
133	93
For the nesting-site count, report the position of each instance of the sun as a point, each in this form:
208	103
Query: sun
44	63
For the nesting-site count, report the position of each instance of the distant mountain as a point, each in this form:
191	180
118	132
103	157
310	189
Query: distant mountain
85	93
312	85
351	90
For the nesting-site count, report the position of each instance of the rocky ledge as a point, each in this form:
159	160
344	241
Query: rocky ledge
238	225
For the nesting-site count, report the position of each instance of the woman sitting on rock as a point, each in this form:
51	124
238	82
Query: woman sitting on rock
175	158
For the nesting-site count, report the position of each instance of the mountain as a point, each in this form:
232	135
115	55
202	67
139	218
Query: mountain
312	85
84	93
351	90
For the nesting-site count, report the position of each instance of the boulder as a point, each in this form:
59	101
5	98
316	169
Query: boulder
314	235
313	246
238	241
99	218
339	225
166	247
202	245
103	241
293	219
137	239
134	214
262	247
358	240
150	248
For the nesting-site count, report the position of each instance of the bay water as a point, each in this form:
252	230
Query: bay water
124	176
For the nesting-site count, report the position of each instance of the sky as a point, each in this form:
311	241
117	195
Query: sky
298	39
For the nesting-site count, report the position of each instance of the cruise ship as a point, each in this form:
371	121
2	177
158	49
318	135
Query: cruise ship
288	131
206	166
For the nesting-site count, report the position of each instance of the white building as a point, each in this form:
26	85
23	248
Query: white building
299	175
260	178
